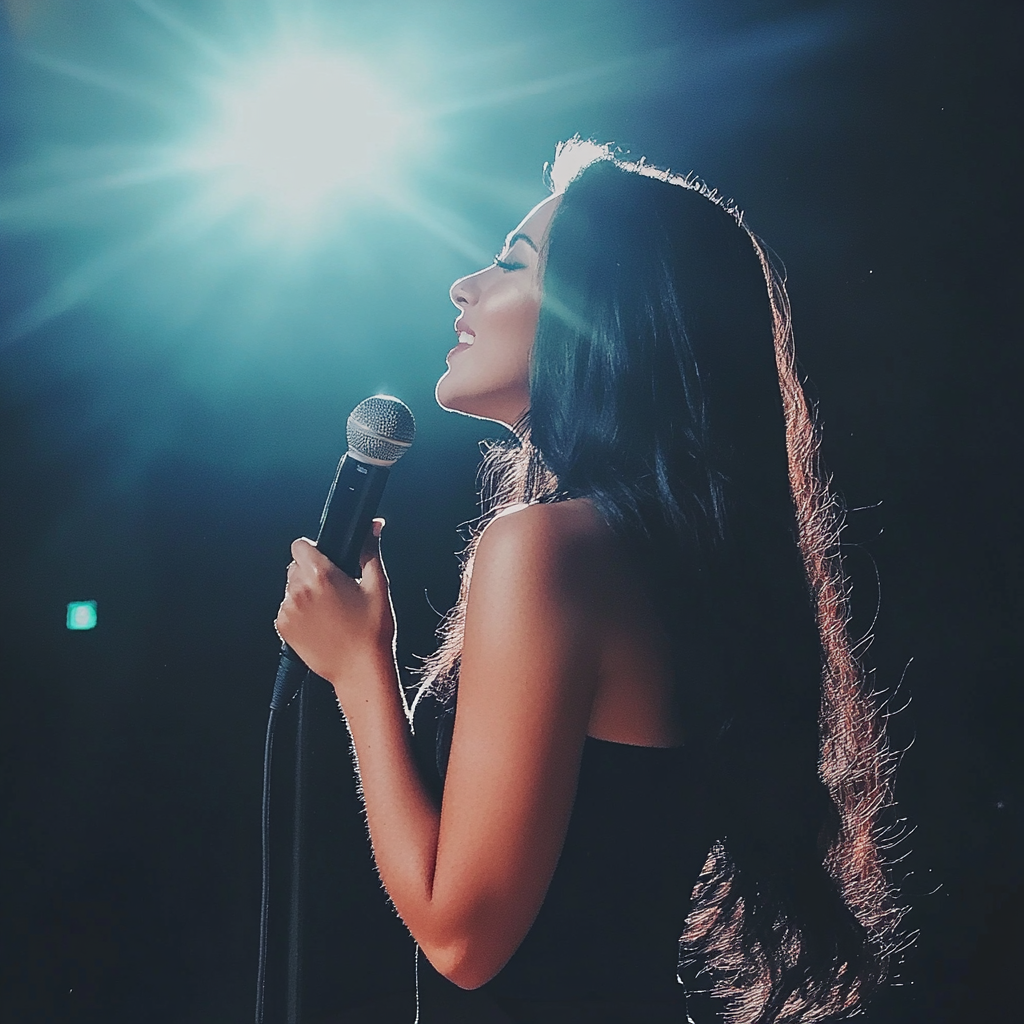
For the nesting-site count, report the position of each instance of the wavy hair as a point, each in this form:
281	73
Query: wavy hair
664	389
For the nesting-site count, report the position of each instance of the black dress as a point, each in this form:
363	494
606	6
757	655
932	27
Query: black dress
604	946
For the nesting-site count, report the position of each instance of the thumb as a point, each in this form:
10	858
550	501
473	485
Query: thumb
370	562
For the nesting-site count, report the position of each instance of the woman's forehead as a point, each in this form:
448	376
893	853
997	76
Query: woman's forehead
535	224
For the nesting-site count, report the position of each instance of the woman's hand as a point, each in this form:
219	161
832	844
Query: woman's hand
338	626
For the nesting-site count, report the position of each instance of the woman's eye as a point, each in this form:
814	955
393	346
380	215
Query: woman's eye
505	265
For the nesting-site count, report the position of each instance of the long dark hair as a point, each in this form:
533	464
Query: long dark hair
663	389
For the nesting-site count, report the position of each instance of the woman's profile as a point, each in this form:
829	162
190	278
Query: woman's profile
644	731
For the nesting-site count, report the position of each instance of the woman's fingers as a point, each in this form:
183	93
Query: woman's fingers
331	620
307	557
305	553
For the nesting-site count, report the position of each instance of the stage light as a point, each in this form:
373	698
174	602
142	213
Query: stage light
81	615
298	130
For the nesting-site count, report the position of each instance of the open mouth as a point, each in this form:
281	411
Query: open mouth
466	339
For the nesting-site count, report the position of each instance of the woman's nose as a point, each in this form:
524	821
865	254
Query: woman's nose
464	292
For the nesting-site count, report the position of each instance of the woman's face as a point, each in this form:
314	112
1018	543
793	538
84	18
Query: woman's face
489	369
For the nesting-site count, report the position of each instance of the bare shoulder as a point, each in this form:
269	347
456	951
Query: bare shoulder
563	550
564	525
557	556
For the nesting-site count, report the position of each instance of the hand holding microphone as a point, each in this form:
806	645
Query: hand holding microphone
317	601
338	626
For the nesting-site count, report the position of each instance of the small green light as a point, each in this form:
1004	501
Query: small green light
81	614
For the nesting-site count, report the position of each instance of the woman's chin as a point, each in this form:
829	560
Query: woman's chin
495	405
465	405
446	396
451	399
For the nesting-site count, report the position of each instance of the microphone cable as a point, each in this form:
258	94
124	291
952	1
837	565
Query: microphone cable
286	669
261	973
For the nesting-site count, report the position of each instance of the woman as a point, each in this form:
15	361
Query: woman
649	651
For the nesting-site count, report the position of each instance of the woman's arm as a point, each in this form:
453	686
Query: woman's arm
469	880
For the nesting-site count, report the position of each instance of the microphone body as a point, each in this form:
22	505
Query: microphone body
351	505
380	430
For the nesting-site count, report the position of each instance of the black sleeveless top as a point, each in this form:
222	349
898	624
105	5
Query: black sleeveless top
638	835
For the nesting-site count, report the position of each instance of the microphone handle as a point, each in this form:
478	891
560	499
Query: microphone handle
348	512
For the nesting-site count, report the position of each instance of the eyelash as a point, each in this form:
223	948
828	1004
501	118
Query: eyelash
508	266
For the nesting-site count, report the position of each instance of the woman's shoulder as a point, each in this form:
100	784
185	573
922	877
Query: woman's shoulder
563	549
571	519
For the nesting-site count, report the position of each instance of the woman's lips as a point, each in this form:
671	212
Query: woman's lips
466	339
458	348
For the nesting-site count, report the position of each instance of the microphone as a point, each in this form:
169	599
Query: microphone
379	431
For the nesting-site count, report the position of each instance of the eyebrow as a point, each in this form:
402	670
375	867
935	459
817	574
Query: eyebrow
520	236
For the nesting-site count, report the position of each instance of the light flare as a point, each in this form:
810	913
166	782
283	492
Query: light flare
299	130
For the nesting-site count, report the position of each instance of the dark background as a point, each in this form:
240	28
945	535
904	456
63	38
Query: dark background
171	410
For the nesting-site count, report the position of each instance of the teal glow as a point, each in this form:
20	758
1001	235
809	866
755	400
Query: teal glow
81	615
246	184
298	129
251	172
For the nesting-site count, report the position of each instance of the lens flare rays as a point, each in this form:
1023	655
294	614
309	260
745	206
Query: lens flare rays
276	123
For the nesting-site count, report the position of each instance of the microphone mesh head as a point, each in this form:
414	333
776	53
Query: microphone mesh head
380	430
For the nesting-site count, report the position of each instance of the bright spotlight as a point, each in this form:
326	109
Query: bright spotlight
297	130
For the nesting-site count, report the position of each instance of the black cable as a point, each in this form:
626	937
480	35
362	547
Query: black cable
261	973
287	684
298	821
